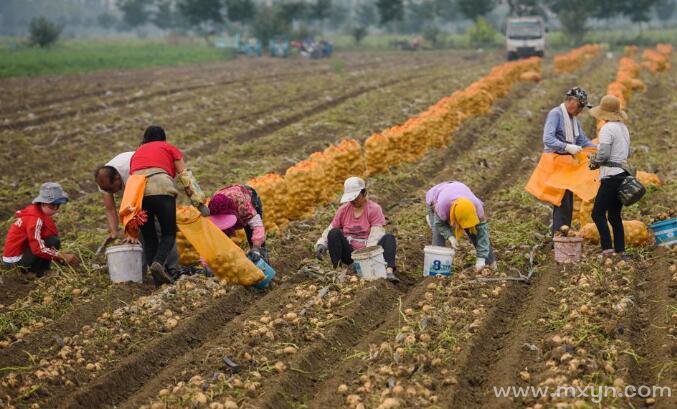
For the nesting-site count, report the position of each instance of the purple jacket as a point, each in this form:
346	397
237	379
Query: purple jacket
441	197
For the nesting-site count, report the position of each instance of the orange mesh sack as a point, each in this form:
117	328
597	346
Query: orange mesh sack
377	153
272	188
304	187
224	258
188	256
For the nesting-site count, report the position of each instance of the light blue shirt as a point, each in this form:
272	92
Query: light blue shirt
554	139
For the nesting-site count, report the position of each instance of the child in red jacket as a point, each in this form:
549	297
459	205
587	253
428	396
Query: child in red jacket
32	241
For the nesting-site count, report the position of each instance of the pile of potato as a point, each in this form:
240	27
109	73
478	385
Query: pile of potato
636	233
188	256
657	60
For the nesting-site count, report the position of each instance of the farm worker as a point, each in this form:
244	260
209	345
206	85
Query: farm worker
111	179
562	169
453	209
235	207
611	158
150	195
358	223
32	241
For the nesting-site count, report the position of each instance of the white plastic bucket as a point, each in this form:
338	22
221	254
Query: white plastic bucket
369	263
125	263
438	261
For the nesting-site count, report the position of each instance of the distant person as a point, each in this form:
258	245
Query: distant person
453	209
32	242
111	179
611	159
358	223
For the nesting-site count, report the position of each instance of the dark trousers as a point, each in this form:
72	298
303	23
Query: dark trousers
163	209
340	250
608	205
35	264
562	214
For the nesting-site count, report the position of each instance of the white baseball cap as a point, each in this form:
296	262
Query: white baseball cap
352	188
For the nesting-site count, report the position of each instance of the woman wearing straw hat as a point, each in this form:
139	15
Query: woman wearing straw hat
611	159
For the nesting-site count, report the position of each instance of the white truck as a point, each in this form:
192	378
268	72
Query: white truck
525	37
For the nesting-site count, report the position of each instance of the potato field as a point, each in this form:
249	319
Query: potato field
319	337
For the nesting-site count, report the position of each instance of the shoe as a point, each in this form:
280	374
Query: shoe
159	274
390	276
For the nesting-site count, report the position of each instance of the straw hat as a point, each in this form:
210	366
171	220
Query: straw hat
609	109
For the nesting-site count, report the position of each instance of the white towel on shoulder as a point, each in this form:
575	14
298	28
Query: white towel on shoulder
570	127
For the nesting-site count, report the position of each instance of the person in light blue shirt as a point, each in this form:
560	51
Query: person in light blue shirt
563	135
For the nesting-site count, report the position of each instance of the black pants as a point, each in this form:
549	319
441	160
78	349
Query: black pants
608	205
562	214
340	250
163	209
35	264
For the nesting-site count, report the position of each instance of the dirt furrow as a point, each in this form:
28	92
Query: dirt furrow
51	336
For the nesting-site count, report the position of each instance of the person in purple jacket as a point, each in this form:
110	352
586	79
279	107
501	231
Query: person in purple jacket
453	209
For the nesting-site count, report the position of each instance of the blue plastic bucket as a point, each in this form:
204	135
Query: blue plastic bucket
665	232
267	271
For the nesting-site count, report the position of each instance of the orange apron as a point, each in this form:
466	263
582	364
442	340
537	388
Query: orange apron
557	173
131	212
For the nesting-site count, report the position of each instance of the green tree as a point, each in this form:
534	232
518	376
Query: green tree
165	17
525	7
359	33
665	9
106	20
135	13
43	32
320	10
390	10
202	15
366	14
268	22
638	11
240	10
473	9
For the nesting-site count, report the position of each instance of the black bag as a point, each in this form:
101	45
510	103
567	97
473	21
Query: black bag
631	190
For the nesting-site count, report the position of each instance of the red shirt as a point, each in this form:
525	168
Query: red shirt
157	154
31	227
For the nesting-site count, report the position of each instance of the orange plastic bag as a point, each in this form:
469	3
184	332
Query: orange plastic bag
131	213
224	258
557	173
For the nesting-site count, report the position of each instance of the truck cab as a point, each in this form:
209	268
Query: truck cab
525	37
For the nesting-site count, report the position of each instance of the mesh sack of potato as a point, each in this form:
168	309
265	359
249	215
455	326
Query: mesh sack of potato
325	164
630	50
272	189
377	154
636	233
226	260
346	161
530	76
304	187
648	179
188	256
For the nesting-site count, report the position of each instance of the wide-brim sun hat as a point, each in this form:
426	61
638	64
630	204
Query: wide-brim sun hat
51	193
352	188
223	221
609	109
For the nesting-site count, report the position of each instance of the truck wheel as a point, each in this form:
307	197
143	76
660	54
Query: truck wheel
512	56
540	54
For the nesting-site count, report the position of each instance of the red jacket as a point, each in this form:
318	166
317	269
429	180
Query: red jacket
29	229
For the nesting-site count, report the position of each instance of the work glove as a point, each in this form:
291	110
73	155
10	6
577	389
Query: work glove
320	249
480	264
255	254
190	185
453	242
572	149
